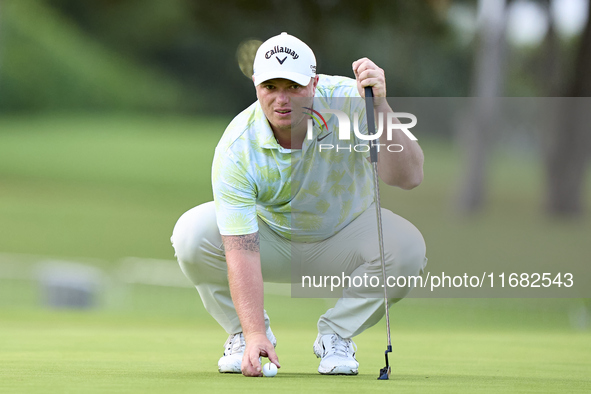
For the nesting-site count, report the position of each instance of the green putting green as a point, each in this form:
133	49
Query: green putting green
439	346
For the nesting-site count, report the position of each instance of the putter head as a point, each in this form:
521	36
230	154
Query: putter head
385	373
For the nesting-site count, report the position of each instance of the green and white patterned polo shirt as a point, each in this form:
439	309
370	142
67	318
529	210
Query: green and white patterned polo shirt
304	195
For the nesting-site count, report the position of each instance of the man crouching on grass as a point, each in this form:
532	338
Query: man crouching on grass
264	166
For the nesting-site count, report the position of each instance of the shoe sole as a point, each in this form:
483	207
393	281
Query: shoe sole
339	371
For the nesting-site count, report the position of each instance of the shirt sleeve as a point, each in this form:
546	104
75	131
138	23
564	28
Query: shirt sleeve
234	194
347	88
358	107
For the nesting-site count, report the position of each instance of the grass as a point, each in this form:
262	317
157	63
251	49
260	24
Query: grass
102	188
440	346
105	188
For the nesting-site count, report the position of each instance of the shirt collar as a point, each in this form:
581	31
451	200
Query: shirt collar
319	128
263	132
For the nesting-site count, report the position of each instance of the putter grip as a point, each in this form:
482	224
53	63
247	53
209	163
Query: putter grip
371	123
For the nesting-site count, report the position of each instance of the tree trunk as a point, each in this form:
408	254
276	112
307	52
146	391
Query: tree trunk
475	129
570	145
550	74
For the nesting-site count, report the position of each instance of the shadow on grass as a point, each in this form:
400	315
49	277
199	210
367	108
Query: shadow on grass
446	380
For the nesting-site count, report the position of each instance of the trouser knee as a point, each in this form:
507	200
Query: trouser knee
196	237
404	246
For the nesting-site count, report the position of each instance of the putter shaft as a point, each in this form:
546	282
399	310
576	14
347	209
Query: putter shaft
384	372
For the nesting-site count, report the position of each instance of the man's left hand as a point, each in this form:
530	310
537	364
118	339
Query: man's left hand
368	74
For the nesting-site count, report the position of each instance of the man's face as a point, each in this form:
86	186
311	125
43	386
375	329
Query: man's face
275	98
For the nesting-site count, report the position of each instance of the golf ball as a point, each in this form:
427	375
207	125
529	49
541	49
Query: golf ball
269	370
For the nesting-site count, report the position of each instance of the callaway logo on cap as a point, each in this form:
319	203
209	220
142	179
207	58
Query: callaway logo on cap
284	56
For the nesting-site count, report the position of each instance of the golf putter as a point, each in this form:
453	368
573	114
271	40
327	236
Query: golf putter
371	129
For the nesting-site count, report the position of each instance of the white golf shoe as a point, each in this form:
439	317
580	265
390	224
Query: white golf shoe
234	347
337	354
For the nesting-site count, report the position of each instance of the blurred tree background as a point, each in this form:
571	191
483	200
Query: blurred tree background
179	57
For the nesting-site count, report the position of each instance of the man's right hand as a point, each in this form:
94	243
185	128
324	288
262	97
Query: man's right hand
257	345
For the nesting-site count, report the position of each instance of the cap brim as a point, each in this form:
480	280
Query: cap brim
296	77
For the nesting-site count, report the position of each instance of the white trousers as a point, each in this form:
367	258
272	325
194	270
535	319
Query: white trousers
352	252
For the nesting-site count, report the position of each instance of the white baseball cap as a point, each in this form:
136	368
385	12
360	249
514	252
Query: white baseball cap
284	56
